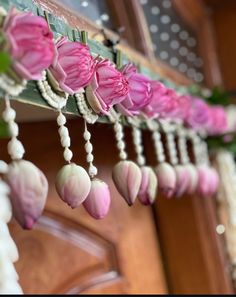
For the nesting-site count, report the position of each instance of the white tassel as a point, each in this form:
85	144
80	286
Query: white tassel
8	250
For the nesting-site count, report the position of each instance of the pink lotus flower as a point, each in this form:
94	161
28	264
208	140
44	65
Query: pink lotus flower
184	107
166	177
163	103
108	87
73	184
148	189
182	180
199	114
31	43
218	120
158	99
73	66
98	201
29	188
139	94
127	178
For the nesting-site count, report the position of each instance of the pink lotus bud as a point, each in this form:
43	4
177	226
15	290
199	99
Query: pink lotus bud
148	189
214	181
166	179
182	180
73	184
29	188
208	180
203	180
127	177
98	201
193	178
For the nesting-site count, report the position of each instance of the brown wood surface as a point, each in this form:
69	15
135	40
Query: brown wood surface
224	21
70	252
194	256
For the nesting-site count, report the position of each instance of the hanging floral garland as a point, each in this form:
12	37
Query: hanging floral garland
64	68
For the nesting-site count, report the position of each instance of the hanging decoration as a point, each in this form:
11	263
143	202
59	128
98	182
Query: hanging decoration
66	70
148	188
8	251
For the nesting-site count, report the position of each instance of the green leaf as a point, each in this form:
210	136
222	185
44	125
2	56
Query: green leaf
5	62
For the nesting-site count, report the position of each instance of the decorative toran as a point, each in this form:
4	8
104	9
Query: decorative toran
64	68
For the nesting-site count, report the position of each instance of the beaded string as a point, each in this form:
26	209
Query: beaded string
119	134
156	137
64	136
137	140
8	253
53	99
182	146
86	112
89	150
171	146
10	86
196	144
15	147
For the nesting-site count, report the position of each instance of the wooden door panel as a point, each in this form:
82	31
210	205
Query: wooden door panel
70	252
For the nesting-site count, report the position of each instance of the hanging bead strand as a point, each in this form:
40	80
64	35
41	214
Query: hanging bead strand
89	150
86	112
119	134
156	136
182	146
126	174
148	188
15	147
165	172
137	139
64	137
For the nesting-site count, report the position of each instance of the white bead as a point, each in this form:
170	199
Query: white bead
93	170
13	129
120	145
5	209
141	160
161	158
65	141
61	120
63	131
123	155
15	149
119	135
3	167
9	114
87	135
117	127
88	147
90	158
139	150
67	154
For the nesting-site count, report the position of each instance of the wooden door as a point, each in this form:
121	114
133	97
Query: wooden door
70	252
